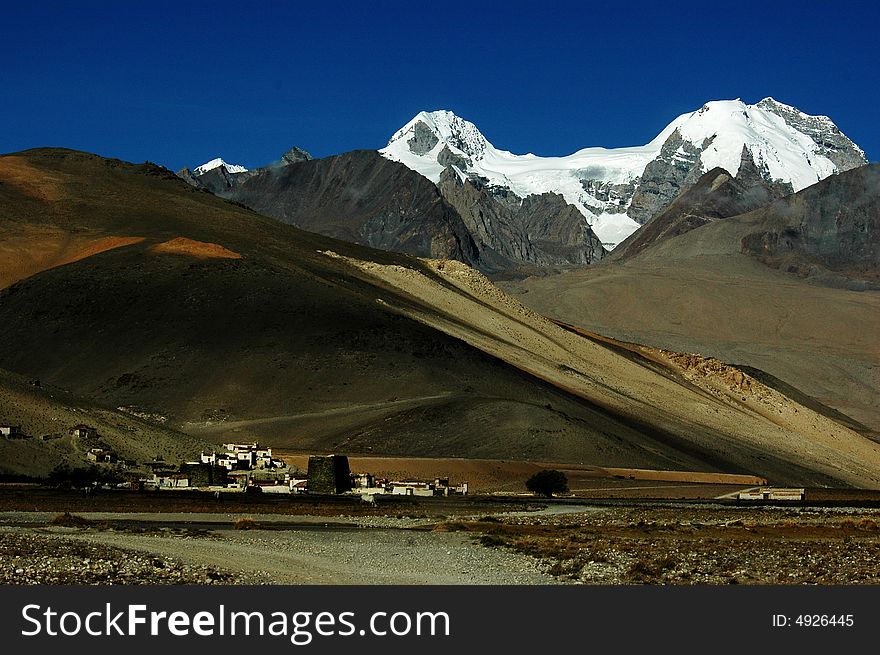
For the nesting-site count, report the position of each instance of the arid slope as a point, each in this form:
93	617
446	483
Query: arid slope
45	414
703	291
234	325
696	404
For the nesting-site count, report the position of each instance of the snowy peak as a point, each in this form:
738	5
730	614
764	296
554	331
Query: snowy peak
217	163
722	128
618	189
427	129
832	143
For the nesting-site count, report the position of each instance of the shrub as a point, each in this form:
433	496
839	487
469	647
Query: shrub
69	520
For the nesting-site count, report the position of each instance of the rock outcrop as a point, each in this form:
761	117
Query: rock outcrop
716	195
535	231
832	226
677	167
295	155
363	198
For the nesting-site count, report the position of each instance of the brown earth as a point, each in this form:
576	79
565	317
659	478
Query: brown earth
33	249
433	358
30	180
494	476
693	546
46	413
197	249
810	341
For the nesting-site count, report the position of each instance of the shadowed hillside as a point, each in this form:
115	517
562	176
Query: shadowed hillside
46	413
235	325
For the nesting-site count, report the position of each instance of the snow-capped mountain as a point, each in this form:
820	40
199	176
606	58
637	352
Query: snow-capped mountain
217	176
619	189
217	163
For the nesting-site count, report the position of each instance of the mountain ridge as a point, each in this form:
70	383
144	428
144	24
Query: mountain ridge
617	189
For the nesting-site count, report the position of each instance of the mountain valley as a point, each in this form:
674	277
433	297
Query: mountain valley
204	312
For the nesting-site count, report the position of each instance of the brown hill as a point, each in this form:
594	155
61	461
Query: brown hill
699	292
311	343
46	413
716	195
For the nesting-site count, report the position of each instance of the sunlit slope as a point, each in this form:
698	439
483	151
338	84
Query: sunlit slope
236	326
776	289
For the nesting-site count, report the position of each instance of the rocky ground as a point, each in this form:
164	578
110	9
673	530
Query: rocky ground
189	549
27	558
694	546
663	544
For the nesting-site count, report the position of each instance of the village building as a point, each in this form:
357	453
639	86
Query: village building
772	493
410	489
366	484
242	457
298	485
11	431
102	456
361	480
205	475
439	487
328	474
82	431
237	479
170	481
272	486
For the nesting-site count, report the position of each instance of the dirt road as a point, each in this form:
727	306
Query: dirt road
312	550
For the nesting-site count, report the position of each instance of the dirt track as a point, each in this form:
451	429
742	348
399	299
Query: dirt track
611	544
344	550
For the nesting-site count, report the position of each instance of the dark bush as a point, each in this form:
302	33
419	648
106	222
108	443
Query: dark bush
78	477
547	483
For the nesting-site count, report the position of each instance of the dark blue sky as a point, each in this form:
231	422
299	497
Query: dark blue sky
181	82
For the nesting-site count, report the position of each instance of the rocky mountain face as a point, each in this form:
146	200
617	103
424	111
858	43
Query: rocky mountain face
828	232
831	142
220	180
617	190
716	195
832	226
677	169
359	197
295	155
365	198
538	230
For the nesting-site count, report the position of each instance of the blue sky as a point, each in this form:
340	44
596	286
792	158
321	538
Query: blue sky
179	83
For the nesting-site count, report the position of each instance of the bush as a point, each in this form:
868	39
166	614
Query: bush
78	477
69	520
492	541
547	482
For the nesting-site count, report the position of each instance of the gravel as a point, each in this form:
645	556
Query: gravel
305	555
27	558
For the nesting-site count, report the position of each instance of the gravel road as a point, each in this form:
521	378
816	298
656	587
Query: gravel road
315	551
